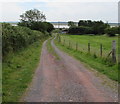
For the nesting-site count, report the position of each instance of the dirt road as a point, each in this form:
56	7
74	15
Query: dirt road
65	80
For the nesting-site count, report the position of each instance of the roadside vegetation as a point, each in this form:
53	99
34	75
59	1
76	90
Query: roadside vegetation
21	54
101	64
21	47
18	71
18	37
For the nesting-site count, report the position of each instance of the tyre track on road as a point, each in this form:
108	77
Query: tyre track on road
64	80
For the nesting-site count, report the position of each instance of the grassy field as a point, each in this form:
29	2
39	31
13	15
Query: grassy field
95	41
18	71
100	64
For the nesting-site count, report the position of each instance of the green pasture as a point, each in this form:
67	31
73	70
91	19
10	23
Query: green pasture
95	42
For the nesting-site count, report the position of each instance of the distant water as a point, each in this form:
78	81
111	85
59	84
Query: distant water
60	26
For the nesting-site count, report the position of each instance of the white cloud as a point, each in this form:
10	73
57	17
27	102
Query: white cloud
77	10
10	12
63	11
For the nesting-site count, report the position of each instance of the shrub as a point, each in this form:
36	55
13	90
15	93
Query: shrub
80	30
40	26
96	27
48	27
56	31
112	31
15	38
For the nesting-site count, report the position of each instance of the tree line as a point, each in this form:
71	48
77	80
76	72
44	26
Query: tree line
92	27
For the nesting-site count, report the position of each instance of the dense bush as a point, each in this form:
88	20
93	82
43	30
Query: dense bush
40	26
112	31
56	31
16	37
99	28
80	30
48	27
71	23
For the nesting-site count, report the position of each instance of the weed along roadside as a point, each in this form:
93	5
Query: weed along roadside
21	52
102	57
20	63
20	59
18	71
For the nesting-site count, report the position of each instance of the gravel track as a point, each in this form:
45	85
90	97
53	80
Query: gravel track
65	80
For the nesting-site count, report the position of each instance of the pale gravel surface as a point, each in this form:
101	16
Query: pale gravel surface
65	80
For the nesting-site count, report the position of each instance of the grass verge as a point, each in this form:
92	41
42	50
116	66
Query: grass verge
18	71
100	65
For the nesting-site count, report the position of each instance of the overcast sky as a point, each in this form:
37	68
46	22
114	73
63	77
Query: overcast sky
62	10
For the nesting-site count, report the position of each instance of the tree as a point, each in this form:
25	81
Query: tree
35	20
71	23
82	23
98	27
80	30
49	27
32	15
40	26
112	31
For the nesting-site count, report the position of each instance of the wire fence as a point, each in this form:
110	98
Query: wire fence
110	55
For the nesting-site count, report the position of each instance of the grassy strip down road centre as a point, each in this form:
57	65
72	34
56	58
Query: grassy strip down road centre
50	48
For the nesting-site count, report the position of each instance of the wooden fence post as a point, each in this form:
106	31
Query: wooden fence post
114	51
76	46
89	47
101	50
